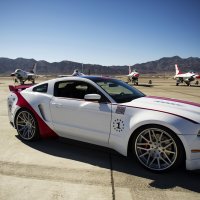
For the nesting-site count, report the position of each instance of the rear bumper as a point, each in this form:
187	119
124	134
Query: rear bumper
12	124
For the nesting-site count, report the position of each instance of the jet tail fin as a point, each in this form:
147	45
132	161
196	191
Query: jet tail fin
129	69
177	69
34	68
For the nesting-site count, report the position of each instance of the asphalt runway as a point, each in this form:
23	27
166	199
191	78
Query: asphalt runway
65	169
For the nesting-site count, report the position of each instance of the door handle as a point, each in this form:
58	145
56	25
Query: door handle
57	104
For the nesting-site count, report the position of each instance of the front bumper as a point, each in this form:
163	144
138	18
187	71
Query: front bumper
193	164
191	144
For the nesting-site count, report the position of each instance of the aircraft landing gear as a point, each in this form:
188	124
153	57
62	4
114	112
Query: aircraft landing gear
177	83
134	81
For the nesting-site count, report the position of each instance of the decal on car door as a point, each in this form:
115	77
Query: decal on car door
118	125
120	110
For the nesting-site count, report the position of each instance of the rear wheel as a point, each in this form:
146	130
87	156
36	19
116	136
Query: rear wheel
26	125
157	148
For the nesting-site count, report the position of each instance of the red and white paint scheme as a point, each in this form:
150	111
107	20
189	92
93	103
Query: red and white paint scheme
161	133
185	77
133	76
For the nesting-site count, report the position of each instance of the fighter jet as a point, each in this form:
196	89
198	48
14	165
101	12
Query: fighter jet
185	77
133	76
23	76
75	73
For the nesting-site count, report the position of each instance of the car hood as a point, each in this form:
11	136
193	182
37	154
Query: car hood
185	109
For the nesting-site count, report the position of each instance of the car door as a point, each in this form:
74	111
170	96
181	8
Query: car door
75	118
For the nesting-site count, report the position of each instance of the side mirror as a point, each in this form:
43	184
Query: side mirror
92	97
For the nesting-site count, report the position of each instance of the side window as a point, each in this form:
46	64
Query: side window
41	88
75	89
62	88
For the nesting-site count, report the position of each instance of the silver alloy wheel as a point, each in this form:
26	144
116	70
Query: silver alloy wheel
156	149
26	125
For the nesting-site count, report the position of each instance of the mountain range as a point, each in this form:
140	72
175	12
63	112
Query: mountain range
162	66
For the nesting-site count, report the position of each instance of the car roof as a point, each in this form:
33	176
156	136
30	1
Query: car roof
92	78
95	78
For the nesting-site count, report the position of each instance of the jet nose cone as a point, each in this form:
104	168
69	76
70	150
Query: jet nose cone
137	75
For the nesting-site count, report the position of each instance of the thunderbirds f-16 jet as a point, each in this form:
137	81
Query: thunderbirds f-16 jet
133	76
75	73
23	76
185	77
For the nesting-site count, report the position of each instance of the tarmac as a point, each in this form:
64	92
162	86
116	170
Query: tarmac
66	169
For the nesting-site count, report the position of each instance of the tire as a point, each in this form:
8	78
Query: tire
26	125
157	148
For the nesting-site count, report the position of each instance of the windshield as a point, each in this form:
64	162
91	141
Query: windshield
119	90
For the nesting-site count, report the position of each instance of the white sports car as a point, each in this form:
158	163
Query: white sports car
161	133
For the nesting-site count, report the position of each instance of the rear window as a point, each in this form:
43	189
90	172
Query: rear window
41	88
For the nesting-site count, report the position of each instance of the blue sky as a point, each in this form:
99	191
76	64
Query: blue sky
107	32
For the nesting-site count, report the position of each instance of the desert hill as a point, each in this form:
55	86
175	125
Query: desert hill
161	66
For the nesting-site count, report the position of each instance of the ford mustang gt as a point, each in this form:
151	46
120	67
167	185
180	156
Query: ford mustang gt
161	133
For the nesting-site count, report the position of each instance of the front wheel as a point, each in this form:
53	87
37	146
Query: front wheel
26	125
157	148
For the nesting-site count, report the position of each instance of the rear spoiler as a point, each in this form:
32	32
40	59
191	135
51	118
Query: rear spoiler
18	88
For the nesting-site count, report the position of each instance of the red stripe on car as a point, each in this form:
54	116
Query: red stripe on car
175	100
45	131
